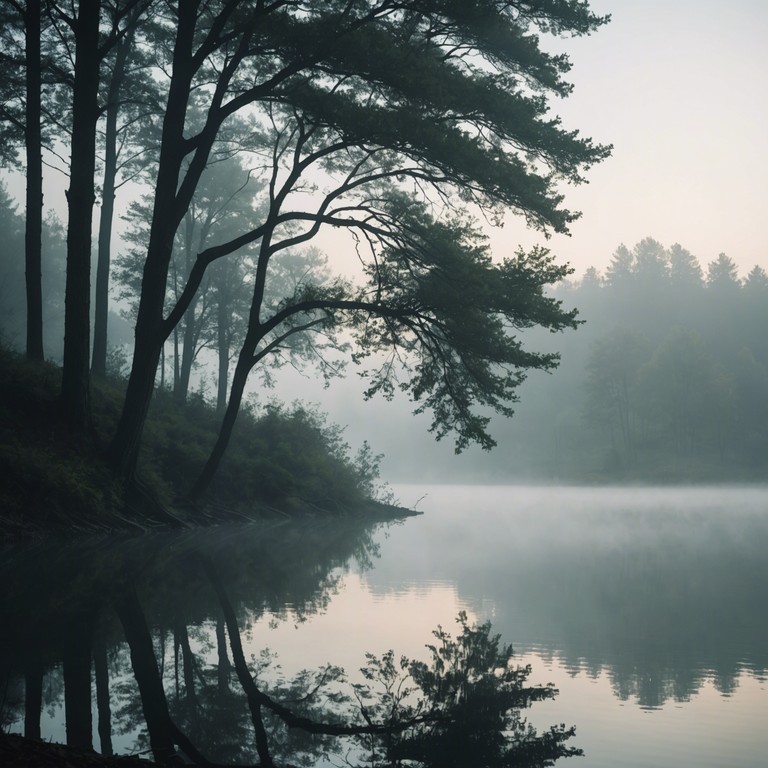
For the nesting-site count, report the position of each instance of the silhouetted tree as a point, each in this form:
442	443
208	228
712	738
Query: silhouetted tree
22	116
612	396
438	120
129	107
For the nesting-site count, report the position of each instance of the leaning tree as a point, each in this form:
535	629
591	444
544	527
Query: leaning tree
432	102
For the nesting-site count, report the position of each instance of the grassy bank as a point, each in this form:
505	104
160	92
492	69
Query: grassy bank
281	461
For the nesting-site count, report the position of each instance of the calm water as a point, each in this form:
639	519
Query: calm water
646	609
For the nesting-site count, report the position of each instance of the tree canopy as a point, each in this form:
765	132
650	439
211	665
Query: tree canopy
397	122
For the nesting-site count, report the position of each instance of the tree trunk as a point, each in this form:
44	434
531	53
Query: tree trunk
75	387
163	733
144	665
124	449
245	362
189	345
150	334
34	201
101	302
101	672
77	684
239	381
222	332
33	699
224	667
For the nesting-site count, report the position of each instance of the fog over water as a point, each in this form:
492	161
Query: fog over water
644	606
321	281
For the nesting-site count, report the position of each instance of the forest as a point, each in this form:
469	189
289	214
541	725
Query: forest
664	381
220	142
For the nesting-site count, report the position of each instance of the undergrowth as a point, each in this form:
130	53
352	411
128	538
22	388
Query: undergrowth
281	460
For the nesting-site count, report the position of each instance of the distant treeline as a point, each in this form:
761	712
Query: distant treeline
667	379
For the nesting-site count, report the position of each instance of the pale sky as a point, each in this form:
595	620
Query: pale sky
679	88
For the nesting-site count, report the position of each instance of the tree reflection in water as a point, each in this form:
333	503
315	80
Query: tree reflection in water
177	608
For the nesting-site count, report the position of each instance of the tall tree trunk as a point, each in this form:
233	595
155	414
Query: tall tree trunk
101	302
163	732
239	381
101	673
189	345
150	334
75	387
245	362
33	698
77	682
144	665
34	201
224	667
222	332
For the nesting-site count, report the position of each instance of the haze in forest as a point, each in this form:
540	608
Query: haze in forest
661	380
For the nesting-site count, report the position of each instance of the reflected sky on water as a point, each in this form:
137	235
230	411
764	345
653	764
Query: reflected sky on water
645	607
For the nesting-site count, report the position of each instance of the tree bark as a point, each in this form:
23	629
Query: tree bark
222	331
144	665
163	732
33	699
77	684
150	333
188	347
101	299
75	388
34	201
101	673
239	381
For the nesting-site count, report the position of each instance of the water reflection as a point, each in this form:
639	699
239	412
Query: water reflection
161	626
659	590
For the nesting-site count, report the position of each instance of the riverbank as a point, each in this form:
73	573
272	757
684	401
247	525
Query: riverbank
283	462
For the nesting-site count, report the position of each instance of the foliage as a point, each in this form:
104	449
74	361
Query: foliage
287	459
665	381
451	319
284	458
398	122
334	112
12	290
466	704
49	479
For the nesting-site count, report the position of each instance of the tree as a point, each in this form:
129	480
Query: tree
754	309
757	280
434	302
621	269
90	49
75	386
680	390
399	81
12	278
27	121
612	397
725	300
591	280
214	318
684	269
722	274
128	107
471	695
651	264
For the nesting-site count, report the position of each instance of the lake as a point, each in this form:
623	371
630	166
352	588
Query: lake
645	607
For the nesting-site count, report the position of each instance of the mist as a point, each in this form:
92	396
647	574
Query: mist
383	382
